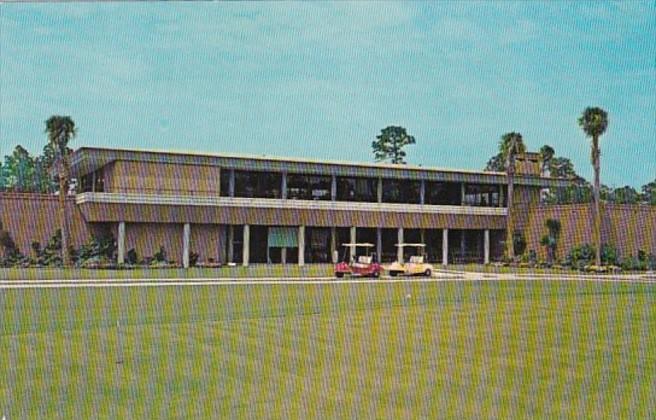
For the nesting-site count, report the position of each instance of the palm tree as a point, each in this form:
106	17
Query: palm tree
594	122
510	146
60	131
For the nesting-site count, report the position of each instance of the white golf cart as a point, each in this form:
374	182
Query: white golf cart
416	264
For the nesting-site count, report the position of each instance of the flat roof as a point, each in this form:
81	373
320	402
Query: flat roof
89	159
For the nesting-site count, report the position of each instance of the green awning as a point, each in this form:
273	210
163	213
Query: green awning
283	237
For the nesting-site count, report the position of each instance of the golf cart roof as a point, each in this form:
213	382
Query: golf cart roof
362	244
417	245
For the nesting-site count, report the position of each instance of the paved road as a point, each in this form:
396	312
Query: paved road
439	276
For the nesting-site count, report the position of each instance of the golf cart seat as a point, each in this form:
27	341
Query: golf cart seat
364	260
416	259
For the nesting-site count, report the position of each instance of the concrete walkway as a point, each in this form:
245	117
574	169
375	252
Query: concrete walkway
440	275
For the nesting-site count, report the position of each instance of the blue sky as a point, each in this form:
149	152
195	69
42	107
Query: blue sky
321	79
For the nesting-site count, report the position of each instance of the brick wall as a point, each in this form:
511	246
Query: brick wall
35	217
628	227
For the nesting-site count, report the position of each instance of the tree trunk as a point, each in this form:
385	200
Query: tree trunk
510	226
63	220
597	199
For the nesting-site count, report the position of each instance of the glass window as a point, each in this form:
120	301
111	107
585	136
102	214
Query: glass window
357	189
401	191
481	195
225	182
308	187
443	193
253	184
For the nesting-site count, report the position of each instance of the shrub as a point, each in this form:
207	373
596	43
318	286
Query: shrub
519	243
580	256
132	258
193	259
609	255
98	247
160	256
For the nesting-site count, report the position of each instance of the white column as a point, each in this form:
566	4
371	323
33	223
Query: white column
486	245
380	190
399	250
333	244
231	243
462	245
283	255
422	192
379	244
246	245
333	188
186	236
445	247
120	242
93	181
301	245
353	240
462	194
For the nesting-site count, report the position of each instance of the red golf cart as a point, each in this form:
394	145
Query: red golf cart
361	264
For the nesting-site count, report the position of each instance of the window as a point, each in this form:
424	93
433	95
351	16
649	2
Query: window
357	189
481	195
308	187
254	184
401	191
443	193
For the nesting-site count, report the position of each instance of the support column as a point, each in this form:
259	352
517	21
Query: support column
186	236
231	243
422	235
380	190
500	195
283	186
93	181
333	188
462	245
283	255
422	192
486	246
462	194
231	183
445	247
301	245
399	250
246	245
333	245
120	243
353	240
379	244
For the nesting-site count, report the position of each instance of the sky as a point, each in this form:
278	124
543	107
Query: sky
320	80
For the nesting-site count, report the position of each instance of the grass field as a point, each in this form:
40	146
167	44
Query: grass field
452	349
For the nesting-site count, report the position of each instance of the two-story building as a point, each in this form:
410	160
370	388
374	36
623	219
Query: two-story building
259	209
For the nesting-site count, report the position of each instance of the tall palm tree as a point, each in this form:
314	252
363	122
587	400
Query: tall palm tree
594	122
60	131
510	146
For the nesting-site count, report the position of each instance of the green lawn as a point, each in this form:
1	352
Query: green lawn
452	349
255	270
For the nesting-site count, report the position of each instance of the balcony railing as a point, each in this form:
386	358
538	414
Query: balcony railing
276	203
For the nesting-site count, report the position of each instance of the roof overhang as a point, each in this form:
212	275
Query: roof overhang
89	159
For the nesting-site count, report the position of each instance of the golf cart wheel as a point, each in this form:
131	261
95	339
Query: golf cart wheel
339	275
393	273
428	272
376	274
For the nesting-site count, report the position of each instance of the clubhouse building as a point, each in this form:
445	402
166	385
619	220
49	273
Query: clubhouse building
224	208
